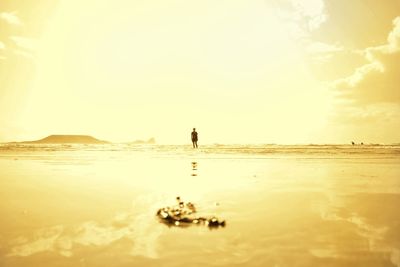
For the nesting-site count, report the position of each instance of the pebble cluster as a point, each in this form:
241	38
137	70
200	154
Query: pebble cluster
184	214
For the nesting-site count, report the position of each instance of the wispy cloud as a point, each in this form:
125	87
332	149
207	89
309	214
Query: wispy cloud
24	42
24	46
11	18
302	19
2	48
23	54
378	80
303	16
311	11
319	47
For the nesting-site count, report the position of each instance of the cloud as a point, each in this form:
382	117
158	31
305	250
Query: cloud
24	42
378	80
321	53
24	46
375	123
386	113
358	24
11	18
302	16
321	48
2	45
23	54
312	11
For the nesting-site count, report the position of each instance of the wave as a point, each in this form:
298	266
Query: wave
216	149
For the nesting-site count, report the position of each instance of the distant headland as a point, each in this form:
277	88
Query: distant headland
151	141
67	139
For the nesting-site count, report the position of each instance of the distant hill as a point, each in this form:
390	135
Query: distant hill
67	139
151	141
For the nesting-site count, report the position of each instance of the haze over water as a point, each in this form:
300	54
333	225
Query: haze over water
95	205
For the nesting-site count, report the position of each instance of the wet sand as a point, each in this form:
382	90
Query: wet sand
87	207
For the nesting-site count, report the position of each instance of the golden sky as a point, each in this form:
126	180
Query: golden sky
240	71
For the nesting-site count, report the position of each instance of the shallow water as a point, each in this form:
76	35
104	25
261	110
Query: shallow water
284	205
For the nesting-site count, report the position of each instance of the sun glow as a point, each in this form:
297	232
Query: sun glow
134	70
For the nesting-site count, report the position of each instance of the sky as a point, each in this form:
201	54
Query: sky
240	71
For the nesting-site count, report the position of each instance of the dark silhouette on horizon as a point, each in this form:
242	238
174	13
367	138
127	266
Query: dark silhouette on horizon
151	141
194	138
67	139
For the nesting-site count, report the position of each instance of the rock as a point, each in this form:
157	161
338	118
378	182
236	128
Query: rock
184	214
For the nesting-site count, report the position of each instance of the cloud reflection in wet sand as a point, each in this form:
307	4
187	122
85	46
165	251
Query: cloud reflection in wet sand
310	218
374	235
139	230
345	236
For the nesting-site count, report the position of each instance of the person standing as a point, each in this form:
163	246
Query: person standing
194	138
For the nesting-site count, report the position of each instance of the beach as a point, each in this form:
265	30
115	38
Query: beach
95	205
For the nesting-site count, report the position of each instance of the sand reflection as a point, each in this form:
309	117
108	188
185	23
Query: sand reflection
374	236
315	213
139	232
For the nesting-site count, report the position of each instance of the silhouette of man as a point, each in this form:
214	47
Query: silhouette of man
194	138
